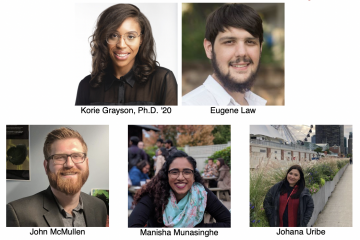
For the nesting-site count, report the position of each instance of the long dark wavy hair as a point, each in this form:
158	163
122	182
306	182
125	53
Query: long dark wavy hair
300	183
107	23
158	188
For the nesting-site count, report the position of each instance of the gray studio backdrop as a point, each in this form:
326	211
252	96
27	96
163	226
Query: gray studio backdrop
97	140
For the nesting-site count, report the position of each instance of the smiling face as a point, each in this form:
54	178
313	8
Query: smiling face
210	162
69	177
181	185
293	177
146	169
123	53
235	57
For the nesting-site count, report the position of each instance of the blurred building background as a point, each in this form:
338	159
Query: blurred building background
350	144
196	66
331	134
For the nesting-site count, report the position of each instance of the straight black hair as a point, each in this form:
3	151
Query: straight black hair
300	183
222	162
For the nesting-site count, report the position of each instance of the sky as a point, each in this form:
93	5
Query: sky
300	131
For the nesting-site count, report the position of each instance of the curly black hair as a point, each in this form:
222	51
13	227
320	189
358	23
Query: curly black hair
158	188
108	21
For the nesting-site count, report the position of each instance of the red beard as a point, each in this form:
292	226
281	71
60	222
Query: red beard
68	186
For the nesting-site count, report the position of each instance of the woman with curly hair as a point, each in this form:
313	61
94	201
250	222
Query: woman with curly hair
289	203
124	66
176	197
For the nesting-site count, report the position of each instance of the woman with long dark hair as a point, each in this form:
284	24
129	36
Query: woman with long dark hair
124	66
176	197
289	203
223	174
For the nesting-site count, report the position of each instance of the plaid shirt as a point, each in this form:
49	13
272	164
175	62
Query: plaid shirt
212	169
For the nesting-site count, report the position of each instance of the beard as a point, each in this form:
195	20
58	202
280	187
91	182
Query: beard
230	82
68	186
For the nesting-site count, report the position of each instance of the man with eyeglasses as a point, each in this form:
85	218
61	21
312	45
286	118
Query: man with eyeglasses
62	204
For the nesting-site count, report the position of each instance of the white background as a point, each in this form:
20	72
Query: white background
40	73
163	20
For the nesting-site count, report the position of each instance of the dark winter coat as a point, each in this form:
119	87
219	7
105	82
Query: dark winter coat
172	150
272	202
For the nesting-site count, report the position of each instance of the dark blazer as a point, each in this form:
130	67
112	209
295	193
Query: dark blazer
41	210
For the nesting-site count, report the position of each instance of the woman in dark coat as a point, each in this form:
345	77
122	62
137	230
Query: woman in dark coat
288	203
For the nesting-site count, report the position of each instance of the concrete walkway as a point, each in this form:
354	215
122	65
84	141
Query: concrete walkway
338	209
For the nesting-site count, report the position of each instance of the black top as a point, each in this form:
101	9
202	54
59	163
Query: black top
159	89
144	213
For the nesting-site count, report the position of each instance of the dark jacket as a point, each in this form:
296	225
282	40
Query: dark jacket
271	206
41	210
172	150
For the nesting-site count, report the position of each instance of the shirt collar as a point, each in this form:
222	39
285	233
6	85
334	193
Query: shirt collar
224	99
78	208
110	79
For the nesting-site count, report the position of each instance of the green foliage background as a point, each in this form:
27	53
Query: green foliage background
194	17
104	196
224	154
222	134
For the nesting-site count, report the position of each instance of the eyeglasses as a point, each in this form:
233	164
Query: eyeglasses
175	173
60	159
129	38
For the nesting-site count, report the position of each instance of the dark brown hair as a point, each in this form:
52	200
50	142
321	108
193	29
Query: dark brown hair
233	15
107	23
142	164
222	162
